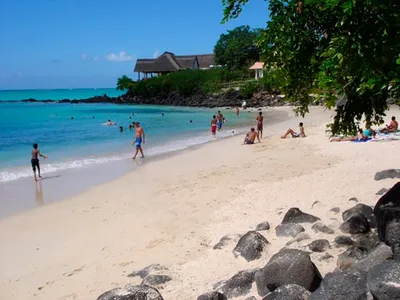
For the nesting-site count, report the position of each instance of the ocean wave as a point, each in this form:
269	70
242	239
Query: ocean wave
174	145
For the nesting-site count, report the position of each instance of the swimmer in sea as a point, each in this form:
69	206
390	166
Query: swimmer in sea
139	138
35	160
121	129
214	126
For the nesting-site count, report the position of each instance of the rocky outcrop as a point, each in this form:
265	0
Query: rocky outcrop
295	215
289	292
386	174
137	292
225	240
251	246
155	280
147	271
262	226
319	227
288	229
288	266
320	245
212	296
238	285
384	280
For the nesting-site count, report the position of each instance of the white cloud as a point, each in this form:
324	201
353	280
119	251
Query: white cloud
120	57
96	58
156	54
84	56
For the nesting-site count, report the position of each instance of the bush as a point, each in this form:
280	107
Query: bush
249	88
274	81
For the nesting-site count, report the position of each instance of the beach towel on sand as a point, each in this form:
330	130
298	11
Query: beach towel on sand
362	141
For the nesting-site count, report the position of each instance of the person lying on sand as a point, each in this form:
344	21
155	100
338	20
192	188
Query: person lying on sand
251	137
295	134
360	137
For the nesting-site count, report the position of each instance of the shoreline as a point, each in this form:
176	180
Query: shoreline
174	210
21	194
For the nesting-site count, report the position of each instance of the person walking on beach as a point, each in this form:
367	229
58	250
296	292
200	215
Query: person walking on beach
260	120
35	160
214	126
220	120
237	111
139	138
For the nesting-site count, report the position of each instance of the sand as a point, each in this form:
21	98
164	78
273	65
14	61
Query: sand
174	210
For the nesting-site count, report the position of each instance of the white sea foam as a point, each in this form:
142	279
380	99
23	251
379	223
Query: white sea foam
175	144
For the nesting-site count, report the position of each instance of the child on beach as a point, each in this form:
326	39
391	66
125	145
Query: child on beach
35	160
214	126
295	134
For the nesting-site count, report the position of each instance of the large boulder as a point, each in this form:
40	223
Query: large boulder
387	212
212	296
378	255
356	224
238	285
343	240
289	229
251	246
288	266
359	209
390	173
289	292
137	292
384	280
343	285
224	241
295	215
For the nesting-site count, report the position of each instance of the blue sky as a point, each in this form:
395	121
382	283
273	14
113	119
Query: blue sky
90	43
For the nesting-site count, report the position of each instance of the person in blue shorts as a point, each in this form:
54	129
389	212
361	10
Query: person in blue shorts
220	120
139	138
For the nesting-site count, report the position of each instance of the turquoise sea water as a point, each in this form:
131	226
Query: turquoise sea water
85	141
56	94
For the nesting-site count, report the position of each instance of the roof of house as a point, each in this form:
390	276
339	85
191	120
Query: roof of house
169	62
257	66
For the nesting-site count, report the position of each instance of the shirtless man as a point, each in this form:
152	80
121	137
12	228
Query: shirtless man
220	120
139	138
35	160
214	126
295	134
251	137
393	126
237	111
260	120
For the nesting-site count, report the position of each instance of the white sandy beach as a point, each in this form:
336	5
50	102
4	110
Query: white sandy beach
174	210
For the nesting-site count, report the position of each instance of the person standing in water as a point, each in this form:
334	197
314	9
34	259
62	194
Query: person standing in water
35	160
139	138
260	125
214	126
237	111
220	120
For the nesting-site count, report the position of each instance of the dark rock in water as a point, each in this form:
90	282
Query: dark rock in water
226	240
238	285
148	270
137	292
387	213
391	173
343	240
354	199
319	245
378	255
381	192
288	229
263	226
155	280
295	215
302	236
356	224
251	246
288	266
336	210
343	285
289	292
384	280
319	227
359	209
212	296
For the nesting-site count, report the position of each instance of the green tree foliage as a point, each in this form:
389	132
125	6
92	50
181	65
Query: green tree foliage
237	49
339	49
124	83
